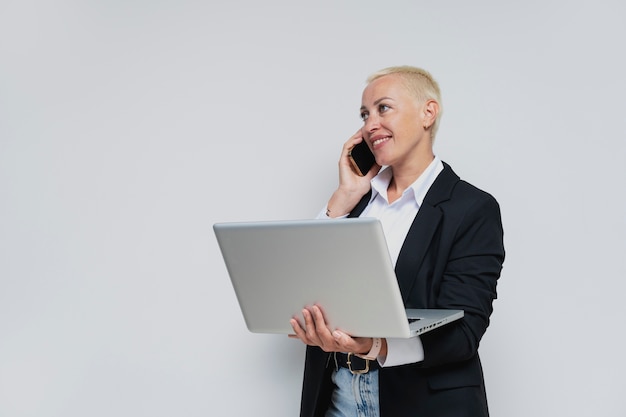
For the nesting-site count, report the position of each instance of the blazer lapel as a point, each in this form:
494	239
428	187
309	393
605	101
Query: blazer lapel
415	246
422	230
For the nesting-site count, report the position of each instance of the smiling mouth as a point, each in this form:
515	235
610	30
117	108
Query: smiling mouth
379	141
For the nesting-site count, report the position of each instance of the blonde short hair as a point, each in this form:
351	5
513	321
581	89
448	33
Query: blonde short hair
419	82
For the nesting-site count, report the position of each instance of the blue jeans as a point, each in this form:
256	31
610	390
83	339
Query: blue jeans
354	395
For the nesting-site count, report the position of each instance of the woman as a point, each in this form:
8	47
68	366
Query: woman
446	239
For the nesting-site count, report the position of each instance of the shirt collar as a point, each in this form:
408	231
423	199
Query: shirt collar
419	188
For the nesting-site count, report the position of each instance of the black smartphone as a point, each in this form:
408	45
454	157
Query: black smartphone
362	158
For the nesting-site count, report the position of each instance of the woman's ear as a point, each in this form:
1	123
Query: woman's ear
431	110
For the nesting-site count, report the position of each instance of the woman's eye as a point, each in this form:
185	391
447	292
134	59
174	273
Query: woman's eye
364	115
383	108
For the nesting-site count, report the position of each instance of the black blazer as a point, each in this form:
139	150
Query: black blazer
451	258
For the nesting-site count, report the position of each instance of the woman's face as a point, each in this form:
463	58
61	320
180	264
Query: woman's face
393	122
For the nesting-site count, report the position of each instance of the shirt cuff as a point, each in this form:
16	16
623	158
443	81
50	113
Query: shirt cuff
402	352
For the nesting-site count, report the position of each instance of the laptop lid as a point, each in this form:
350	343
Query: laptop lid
343	265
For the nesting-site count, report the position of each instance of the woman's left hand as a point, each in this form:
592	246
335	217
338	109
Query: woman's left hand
316	332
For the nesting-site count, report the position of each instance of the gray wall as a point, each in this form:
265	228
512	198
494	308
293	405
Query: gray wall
127	128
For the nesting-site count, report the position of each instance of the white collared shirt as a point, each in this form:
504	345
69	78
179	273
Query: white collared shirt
396	219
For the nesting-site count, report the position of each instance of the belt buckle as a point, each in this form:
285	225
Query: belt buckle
357	371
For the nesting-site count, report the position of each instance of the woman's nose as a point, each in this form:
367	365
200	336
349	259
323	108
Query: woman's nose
372	123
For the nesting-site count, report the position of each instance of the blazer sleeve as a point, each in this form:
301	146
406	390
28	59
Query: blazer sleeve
468	263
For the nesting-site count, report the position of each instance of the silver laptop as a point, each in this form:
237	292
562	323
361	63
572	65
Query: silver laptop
343	265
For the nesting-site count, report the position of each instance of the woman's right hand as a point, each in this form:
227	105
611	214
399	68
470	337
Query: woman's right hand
351	185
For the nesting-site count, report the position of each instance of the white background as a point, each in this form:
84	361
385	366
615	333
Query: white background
127	128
